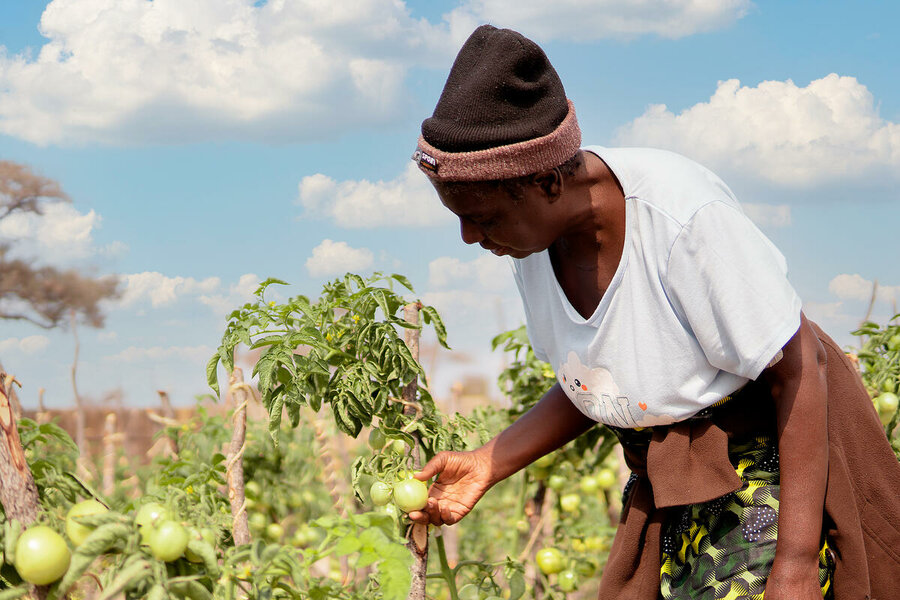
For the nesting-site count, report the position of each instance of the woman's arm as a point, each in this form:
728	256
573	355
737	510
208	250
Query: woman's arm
799	388
464	477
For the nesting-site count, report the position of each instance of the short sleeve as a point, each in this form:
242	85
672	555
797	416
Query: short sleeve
539	351
729	285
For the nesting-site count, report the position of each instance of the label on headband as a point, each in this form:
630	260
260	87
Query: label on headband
425	160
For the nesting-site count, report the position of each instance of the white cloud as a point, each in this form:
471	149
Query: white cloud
857	287
238	294
61	235
172	71
789	135
582	21
334	258
768	215
32	344
487	272
408	200
161	290
134	354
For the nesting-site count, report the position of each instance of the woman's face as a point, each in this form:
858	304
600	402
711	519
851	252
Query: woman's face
506	224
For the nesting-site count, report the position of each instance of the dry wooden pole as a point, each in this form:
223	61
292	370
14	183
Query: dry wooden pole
42	415
234	470
168	413
417	535
18	492
110	441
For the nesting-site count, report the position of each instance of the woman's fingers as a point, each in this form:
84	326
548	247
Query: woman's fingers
432	467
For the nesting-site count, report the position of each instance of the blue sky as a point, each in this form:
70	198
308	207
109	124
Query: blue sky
211	144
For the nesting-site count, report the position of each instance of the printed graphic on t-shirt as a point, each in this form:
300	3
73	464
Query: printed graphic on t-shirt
596	394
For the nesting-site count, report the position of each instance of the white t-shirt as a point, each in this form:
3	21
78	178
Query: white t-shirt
699	304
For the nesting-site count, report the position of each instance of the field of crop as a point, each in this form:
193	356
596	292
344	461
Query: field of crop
306	497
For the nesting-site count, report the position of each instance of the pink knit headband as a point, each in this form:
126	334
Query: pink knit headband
503	162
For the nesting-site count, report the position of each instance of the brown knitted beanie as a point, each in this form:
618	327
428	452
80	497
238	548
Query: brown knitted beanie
503	113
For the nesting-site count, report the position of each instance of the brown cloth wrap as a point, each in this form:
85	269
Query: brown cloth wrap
687	463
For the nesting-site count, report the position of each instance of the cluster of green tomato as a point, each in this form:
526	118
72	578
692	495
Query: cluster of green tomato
408	493
42	556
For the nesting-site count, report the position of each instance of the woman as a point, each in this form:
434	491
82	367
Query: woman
669	317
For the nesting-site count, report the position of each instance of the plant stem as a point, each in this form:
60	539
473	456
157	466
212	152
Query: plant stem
448	573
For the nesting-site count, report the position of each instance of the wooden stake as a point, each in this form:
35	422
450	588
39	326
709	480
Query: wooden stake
417	535
234	469
18	492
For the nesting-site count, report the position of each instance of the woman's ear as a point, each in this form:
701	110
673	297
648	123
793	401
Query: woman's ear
550	182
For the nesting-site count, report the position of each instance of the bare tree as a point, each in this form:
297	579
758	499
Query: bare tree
42	295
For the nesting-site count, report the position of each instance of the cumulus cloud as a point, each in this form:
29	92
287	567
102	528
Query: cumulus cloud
583	21
408	200
134	354
237	295
335	258
133	71
32	344
61	235
857	287
487	272
790	135
161	290
170	71
768	215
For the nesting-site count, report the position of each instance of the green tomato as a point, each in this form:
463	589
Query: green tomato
589	484
567	580
595	543
545	462
252	489
149	516
887	404
556	482
570	502
257	521
377	439
380	492
204	534
169	541
274	531
606	479
893	342
469	592
397	447
410	495
522	526
42	555
75	530
539	473
550	560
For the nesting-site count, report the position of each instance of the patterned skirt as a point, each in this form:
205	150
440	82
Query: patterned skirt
723	549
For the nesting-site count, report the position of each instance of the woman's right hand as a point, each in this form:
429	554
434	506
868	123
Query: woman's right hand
463	478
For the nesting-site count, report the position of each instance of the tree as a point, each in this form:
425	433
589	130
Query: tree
42	295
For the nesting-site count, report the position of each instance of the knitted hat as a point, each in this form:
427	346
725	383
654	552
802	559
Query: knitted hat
503	113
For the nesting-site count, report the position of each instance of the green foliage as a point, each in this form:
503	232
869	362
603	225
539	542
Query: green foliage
343	350
879	365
